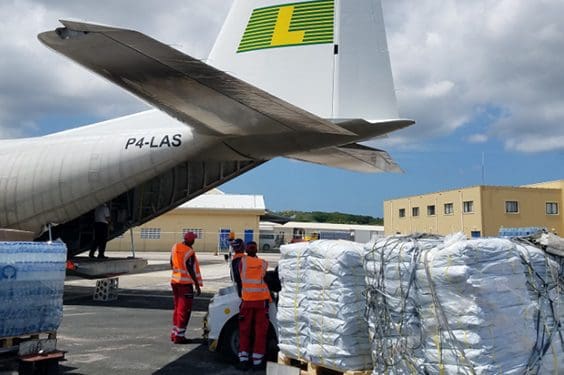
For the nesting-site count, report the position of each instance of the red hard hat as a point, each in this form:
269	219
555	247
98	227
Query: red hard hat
252	247
190	236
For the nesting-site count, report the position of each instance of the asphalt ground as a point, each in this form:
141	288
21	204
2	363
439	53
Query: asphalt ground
131	334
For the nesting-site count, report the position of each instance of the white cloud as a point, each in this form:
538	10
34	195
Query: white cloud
477	138
38	84
534	143
437	89
502	54
450	60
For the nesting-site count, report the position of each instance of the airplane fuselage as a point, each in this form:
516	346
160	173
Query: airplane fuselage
55	178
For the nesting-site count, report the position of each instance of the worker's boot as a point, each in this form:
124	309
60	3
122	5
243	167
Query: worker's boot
181	340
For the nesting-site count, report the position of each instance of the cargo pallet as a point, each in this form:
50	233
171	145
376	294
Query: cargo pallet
309	368
30	354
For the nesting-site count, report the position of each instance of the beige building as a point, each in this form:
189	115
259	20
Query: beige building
212	216
478	211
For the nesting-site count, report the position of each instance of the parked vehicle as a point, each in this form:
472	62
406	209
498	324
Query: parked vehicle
267	241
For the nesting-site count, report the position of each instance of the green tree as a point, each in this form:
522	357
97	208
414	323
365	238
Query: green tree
330	217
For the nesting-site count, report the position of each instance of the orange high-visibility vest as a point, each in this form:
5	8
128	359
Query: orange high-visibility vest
252	277
180	275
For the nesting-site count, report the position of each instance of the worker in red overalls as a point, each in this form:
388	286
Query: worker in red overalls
185	275
253	313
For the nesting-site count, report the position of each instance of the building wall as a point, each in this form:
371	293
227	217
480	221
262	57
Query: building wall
488	214
531	208
207	222
559	184
439	222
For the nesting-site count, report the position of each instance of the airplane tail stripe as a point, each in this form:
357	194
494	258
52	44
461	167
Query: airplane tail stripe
314	19
317	13
266	19
301	4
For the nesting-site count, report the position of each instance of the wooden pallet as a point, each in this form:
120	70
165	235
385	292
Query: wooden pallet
9	342
309	368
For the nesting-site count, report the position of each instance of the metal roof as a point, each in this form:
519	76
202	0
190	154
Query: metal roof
215	201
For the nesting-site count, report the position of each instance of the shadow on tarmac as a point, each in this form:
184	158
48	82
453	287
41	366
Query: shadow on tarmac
202	362
68	369
131	298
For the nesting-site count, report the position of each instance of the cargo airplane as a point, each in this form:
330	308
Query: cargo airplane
304	80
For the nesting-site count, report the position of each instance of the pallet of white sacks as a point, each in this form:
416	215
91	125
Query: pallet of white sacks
309	368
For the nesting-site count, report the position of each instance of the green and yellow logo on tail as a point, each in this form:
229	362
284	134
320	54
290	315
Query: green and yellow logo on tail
287	25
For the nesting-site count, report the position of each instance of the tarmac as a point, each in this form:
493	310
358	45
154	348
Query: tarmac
131	335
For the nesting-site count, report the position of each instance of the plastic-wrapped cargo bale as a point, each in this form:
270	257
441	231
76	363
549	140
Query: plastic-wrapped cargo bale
476	321
335	288
478	306
293	333
545	281
32	276
552	243
392	300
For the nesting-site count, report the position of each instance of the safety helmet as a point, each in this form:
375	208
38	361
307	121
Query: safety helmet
252	247
190	236
238	245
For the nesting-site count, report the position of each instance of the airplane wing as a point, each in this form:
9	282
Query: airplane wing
354	157
211	101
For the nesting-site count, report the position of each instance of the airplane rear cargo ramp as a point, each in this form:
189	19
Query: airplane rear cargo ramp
103	268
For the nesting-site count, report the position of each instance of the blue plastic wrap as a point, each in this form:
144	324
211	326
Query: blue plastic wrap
32	276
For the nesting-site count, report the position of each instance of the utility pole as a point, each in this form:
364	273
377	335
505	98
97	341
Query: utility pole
483	168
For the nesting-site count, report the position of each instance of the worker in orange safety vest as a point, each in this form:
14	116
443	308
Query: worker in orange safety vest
238	247
254	309
185	275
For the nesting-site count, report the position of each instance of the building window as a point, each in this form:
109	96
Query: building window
431	210
511	207
150	233
449	209
199	232
551	208
402	212
415	211
468	206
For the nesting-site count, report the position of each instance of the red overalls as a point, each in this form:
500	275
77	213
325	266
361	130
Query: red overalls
182	288
253	314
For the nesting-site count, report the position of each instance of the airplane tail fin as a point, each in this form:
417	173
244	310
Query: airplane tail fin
329	57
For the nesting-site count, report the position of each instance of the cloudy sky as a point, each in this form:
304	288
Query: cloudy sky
482	78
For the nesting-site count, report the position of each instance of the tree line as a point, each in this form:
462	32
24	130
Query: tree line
330	217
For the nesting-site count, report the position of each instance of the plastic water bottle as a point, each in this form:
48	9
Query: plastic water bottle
31	287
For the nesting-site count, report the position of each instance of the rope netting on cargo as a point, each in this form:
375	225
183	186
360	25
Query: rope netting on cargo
450	305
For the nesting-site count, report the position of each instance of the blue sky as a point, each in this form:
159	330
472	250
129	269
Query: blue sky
449	163
479	78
